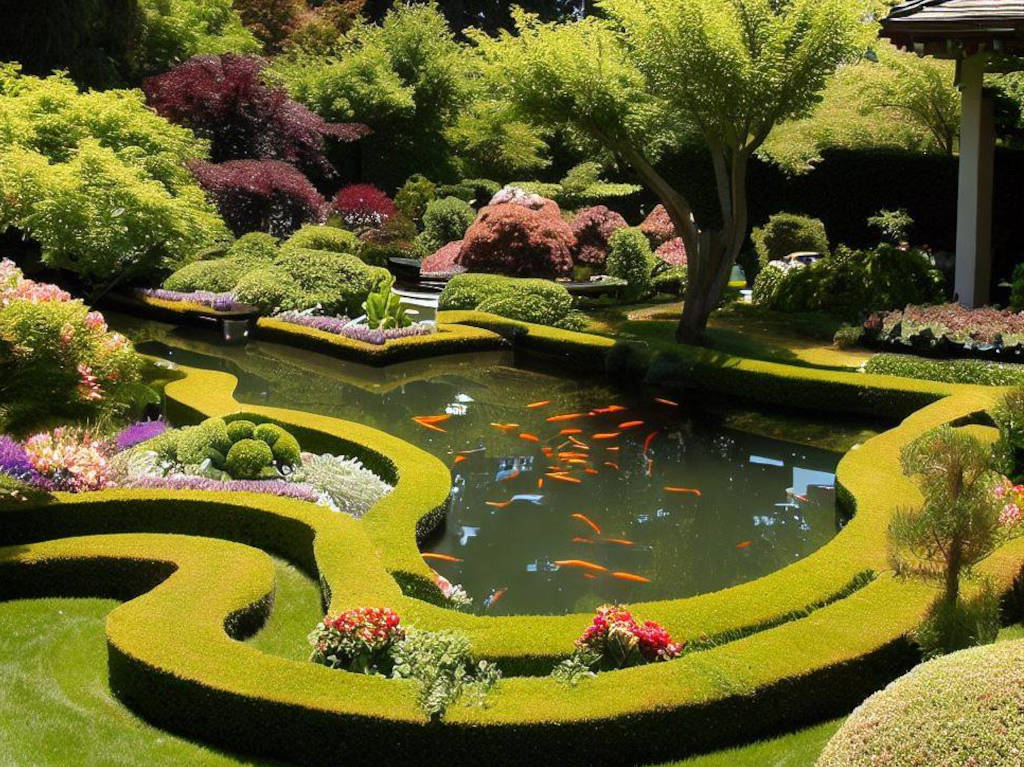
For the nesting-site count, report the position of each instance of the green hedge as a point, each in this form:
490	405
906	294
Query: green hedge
964	371
449	339
807	643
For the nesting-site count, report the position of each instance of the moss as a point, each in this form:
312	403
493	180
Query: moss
247	458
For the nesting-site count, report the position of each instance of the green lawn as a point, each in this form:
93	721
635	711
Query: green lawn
56	708
799	749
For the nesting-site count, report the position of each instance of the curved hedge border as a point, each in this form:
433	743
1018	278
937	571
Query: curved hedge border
449	339
800	670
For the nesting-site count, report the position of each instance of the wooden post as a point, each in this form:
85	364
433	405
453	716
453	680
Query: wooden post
974	205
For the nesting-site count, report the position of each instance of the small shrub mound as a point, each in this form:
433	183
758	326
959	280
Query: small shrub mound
850	283
518	241
658	227
964	708
631	260
363	205
444	262
592	228
319	237
253	249
526	300
445	220
787	233
260	195
672	252
338	282
217	276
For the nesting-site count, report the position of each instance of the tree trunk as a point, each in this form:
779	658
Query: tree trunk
951	590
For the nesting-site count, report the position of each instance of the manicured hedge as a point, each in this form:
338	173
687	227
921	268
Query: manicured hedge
947	371
828	645
449	339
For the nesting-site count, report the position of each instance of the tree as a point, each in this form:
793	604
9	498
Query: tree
958	524
657	71
224	99
488	15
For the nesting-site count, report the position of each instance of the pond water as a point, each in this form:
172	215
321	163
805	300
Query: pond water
679	504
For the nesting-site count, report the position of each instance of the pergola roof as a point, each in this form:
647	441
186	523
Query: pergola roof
954	28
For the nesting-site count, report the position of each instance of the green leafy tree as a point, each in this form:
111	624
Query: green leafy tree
655	72
957	525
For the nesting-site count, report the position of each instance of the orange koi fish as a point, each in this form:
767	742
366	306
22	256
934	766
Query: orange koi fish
649	439
542	403
619	541
576	462
505	426
582	563
431	418
607	435
691	491
549	452
663	401
529	437
540	482
650	467
578	539
579	443
609	409
489	602
511	475
613	449
432	427
567	432
586	520
563	477
589	470
630	577
570	454
564	417
590	576
612	465
745	545
440	557
498	504
459	459
630	424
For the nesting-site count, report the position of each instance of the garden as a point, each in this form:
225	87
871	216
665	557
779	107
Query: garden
468	383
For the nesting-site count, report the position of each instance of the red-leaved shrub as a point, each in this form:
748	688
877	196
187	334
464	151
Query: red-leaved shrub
518	241
672	252
363	205
592	227
658	227
260	195
225	99
444	262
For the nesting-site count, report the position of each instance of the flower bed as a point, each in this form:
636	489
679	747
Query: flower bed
949	330
218	302
343	326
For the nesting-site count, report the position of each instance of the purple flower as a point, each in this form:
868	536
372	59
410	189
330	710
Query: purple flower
13	458
221	302
140	432
297	490
339	326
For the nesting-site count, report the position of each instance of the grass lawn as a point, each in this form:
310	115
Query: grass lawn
799	749
55	704
743	330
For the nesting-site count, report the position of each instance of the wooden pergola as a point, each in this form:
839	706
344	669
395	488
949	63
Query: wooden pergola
981	36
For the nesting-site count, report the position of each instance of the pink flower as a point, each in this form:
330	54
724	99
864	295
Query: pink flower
95	322
89	388
1010	515
70	458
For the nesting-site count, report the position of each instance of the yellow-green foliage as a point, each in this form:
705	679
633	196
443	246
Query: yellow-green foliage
807	641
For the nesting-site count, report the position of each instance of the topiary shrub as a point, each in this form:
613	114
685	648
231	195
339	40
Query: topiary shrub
672	252
209	440
768	282
592	229
362	205
475	191
444	262
260	195
253	249
286	450
248	458
960	709
445	220
380	253
850	283
270	290
217	276
339	282
415	195
787	233
527	300
320	237
630	259
515	240
671	281
240	429
658	227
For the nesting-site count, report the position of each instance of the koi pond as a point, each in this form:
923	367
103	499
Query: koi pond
566	495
